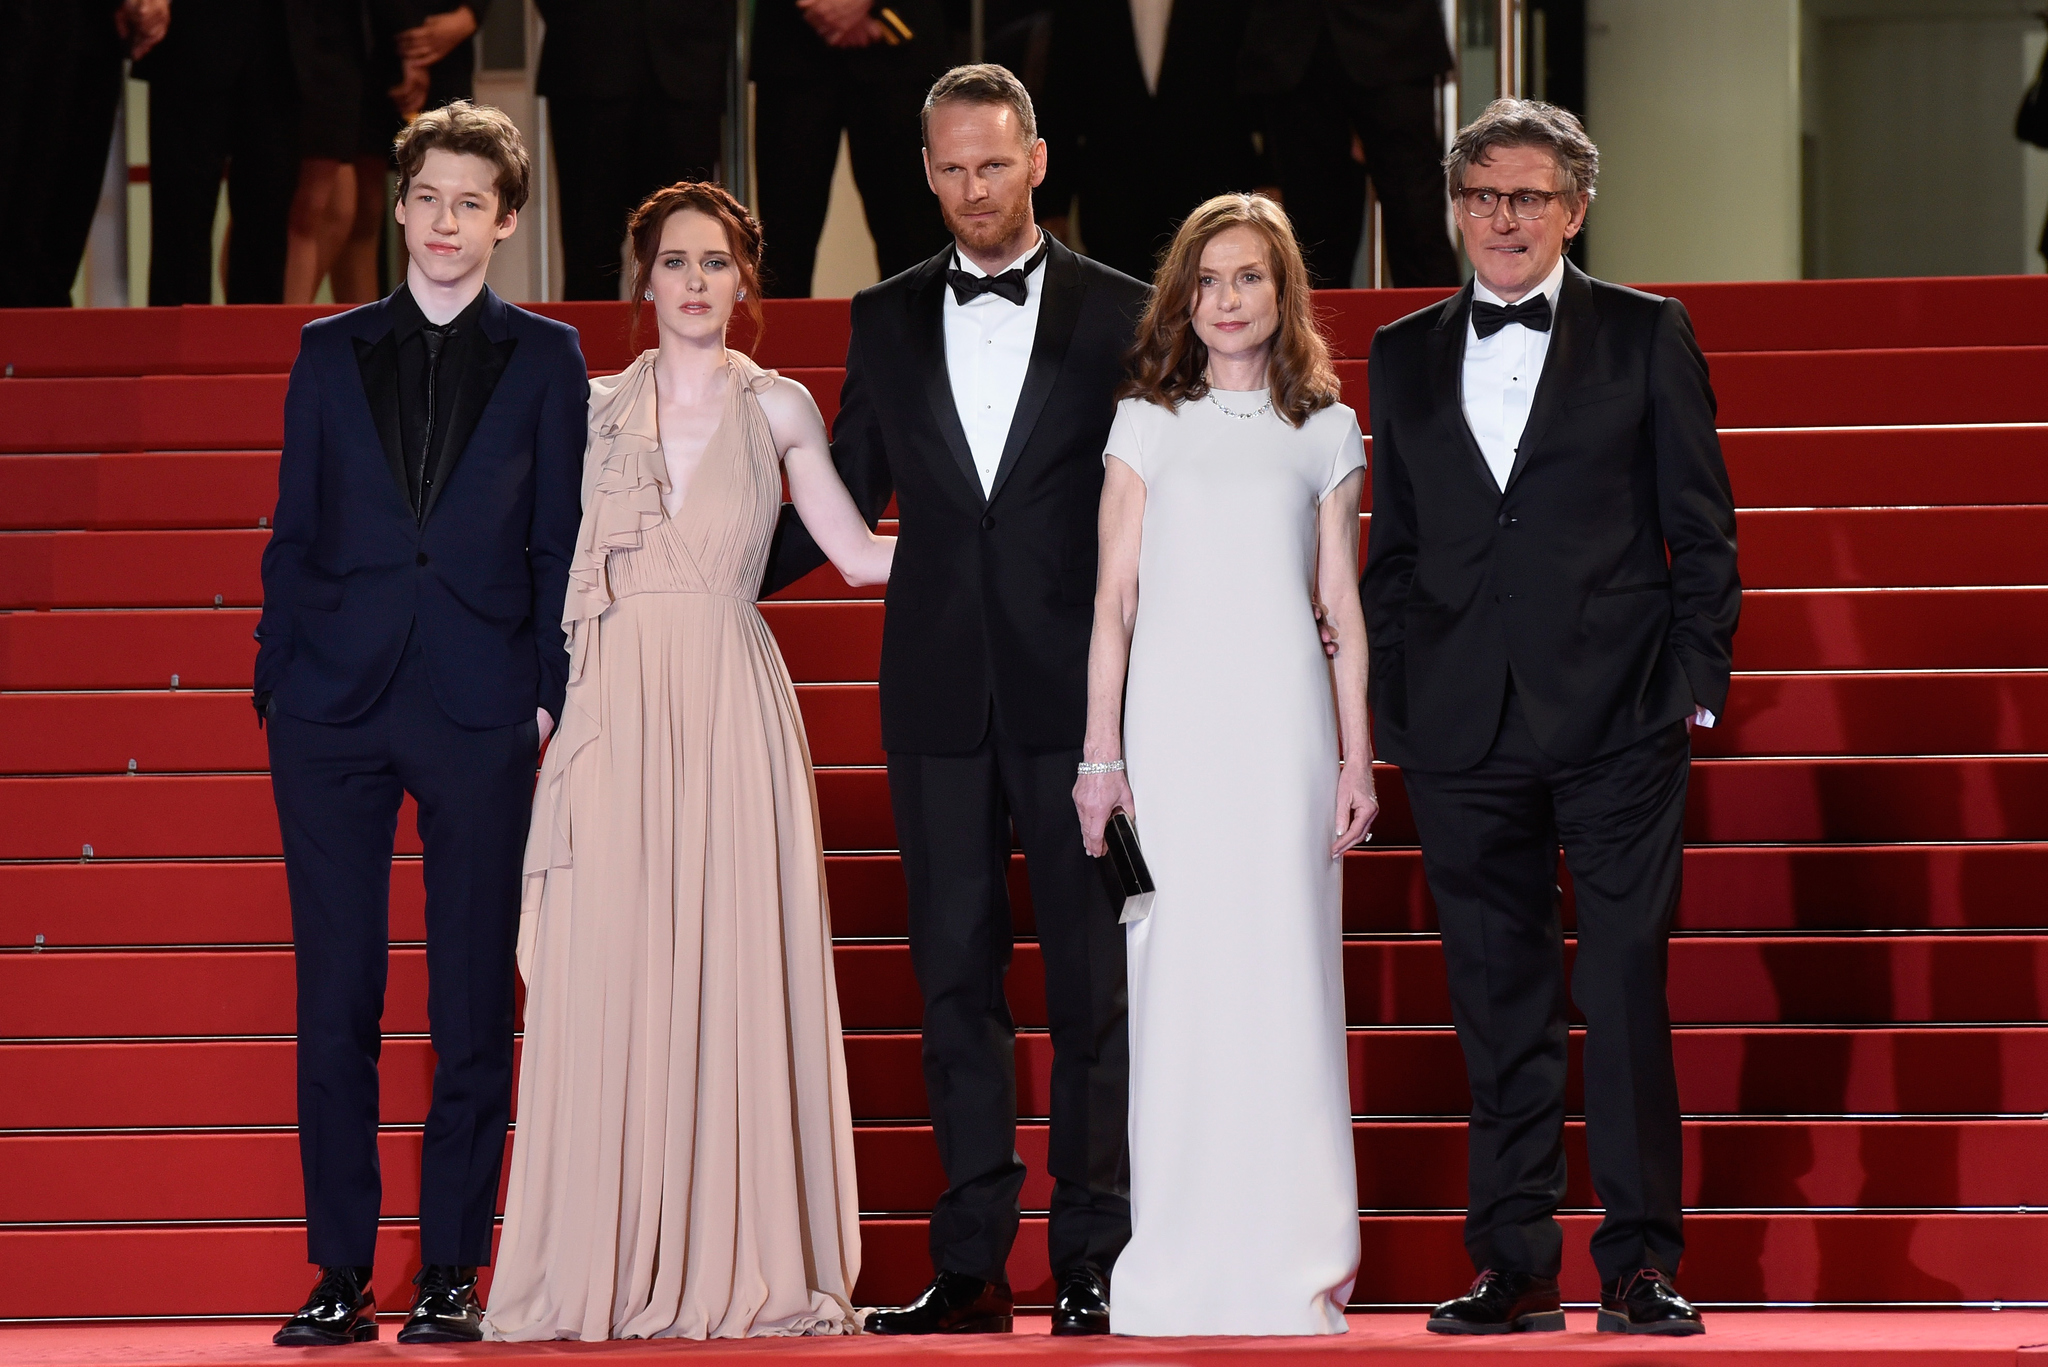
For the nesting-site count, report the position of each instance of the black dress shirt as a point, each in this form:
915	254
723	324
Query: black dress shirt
433	363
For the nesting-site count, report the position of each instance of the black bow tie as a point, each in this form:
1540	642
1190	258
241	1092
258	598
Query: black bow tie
1009	285
1532	313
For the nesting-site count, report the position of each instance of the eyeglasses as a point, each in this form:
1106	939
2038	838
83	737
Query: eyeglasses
1524	203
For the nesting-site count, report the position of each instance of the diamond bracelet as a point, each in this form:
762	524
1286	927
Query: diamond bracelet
1115	766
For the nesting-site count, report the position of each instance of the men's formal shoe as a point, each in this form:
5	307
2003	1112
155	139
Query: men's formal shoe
954	1303
1502	1303
1083	1304
340	1310
446	1309
1646	1303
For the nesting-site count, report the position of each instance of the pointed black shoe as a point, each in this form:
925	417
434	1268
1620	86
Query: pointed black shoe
1083	1304
954	1303
446	1309
1646	1303
1502	1303
340	1310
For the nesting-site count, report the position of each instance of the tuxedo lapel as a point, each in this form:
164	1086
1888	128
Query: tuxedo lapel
1059	309
377	362
1447	379
928	343
490	351
1575	321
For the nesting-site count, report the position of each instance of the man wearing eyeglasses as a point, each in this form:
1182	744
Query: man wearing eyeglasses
1551	596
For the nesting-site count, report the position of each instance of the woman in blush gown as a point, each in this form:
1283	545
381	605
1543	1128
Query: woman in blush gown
683	1165
1229	513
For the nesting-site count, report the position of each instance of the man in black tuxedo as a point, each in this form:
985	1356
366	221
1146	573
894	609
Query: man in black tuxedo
821	67
635	90
1329	69
1550	596
411	642
1139	121
979	390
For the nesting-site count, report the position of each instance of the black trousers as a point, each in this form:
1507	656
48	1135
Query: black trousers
338	788
199	132
60	84
611	155
1308	138
1490	838
954	815
797	127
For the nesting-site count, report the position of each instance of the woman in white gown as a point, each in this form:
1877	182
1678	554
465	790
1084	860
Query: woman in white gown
1229	516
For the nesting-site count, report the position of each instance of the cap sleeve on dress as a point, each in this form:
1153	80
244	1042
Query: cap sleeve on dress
1127	437
1350	455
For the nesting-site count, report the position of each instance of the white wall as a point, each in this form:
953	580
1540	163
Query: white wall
1695	107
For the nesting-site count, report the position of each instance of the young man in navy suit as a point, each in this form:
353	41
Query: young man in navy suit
411	642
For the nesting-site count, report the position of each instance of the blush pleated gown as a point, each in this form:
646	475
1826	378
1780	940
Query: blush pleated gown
683	1159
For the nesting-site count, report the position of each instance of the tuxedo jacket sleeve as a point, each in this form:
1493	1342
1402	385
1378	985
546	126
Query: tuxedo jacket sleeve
1696	508
557	513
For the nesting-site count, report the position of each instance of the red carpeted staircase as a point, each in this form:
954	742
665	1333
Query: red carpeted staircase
1860	976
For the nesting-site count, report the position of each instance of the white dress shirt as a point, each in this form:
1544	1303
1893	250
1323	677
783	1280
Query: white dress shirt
1149	19
988	349
1500	377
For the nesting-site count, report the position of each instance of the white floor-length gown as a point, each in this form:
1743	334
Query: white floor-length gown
1244	1200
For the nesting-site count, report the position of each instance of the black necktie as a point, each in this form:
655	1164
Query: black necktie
435	339
1009	285
1532	313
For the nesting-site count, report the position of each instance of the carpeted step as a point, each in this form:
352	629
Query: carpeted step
1971	628
1822	629
1757	1071
1718	980
1726	316
1776	714
225	1269
1769	468
1781	548
1728	887
1966	384
1885	467
1729	1165
1732	801
215	648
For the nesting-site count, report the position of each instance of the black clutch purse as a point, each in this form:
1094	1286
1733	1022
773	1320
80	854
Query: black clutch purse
1123	866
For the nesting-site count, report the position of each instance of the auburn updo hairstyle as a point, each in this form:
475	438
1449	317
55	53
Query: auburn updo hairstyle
1168	363
742	235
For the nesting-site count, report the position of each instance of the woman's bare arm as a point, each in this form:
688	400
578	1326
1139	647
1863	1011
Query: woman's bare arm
828	512
1119	526
1337	593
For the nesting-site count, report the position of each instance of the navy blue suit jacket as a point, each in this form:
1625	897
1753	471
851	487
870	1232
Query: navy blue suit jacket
349	570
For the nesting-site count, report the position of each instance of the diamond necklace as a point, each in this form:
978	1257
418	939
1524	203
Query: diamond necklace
1233	413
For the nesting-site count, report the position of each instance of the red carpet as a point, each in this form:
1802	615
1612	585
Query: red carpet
1781	1339
1859	972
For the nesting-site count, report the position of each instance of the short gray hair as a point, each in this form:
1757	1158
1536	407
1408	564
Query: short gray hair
1527	123
981	83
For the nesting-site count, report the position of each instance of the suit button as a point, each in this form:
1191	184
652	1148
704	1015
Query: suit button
1505	521
988	523
420	559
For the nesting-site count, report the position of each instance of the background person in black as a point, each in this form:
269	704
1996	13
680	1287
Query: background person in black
823	66
1535	662
984	689
224	60
1139	147
411	643
1329	69
635	91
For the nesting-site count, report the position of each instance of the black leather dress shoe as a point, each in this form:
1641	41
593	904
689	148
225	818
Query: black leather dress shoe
446	1309
1646	1303
1083	1304
954	1303
340	1310
1502	1303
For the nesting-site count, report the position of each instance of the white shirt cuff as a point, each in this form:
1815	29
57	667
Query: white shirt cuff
1702	717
